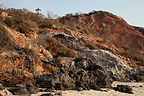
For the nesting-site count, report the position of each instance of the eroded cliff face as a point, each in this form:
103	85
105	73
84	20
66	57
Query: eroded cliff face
127	39
5	38
19	57
80	52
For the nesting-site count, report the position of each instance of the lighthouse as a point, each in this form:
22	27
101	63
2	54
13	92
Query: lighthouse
38	10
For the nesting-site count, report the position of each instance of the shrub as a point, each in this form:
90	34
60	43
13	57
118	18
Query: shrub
134	55
12	70
68	15
10	73
46	25
23	28
60	49
16	67
9	22
24	21
56	48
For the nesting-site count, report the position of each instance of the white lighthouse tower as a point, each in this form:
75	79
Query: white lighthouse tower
38	10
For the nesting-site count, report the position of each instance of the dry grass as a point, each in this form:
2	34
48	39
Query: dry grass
134	55
15	68
56	48
91	46
25	21
11	71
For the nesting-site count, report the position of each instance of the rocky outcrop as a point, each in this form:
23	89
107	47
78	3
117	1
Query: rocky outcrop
94	71
11	38
76	73
41	58
127	39
116	68
123	88
26	88
20	57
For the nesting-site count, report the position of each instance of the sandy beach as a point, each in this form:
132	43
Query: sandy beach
137	90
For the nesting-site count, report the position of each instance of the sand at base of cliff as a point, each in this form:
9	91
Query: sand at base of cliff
138	90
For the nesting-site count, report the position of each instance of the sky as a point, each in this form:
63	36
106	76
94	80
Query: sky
131	10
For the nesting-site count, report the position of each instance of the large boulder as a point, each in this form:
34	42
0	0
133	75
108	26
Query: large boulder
24	89
56	81
97	70
116	68
76	73
123	88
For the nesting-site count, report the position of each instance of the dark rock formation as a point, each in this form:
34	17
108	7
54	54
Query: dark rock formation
26	88
74	74
49	94
22	57
56	81
123	88
69	40
58	94
95	71
139	74
116	68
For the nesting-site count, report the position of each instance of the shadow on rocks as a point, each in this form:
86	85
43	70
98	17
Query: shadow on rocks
26	88
123	88
48	94
76	74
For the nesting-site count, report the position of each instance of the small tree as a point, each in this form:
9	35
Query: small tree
51	15
69	15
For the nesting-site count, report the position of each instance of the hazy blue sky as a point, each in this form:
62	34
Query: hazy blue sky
131	10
